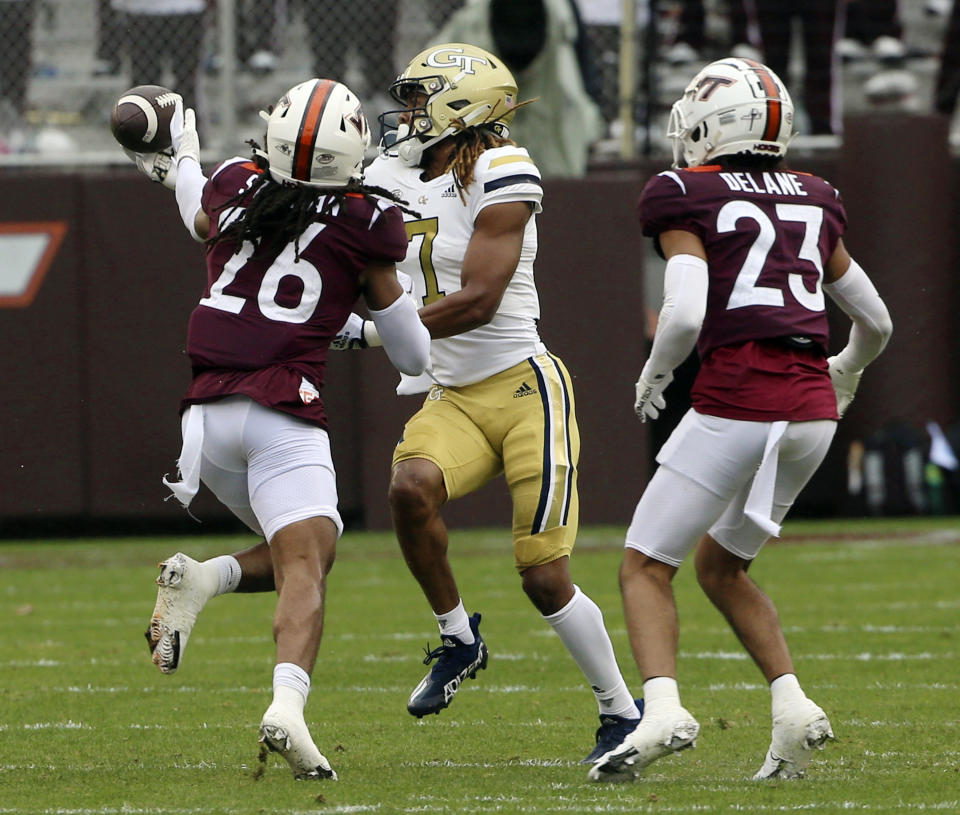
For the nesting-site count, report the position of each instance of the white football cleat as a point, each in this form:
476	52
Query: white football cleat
799	730
658	734
185	587
285	732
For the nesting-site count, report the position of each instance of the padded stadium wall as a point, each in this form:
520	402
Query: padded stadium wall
94	327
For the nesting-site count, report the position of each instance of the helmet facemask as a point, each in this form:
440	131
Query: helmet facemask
404	130
677	133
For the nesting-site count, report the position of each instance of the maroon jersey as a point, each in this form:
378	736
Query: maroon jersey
767	235
265	322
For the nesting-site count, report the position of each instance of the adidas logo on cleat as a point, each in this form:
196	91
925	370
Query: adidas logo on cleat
451	688
524	390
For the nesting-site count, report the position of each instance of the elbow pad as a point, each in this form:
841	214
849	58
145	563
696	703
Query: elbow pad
856	295
190	181
405	338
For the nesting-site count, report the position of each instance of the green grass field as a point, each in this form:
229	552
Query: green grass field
89	726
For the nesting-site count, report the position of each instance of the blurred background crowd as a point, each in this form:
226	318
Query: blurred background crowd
64	62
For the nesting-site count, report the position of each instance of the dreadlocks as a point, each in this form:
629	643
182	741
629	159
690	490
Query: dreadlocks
469	143
274	214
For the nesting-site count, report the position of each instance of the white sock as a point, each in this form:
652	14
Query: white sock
228	571
291	685
579	624
658	692
456	623
784	691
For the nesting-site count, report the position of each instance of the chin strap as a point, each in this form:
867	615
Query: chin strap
410	149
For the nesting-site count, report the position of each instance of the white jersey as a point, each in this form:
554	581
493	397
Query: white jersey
438	243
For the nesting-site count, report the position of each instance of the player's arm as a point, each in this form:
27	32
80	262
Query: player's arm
359	333
685	285
190	177
490	260
849	287
395	322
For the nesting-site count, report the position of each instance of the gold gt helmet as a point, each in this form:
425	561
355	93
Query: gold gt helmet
444	89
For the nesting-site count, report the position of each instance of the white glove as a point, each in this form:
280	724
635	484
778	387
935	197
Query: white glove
650	401
158	167
176	122
350	337
186	142
845	384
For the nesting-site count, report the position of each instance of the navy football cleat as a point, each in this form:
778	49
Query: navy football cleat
455	662
611	733
670	729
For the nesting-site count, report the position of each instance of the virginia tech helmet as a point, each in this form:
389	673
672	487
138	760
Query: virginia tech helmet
316	135
731	106
446	88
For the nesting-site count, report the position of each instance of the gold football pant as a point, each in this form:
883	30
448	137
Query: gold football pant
520	422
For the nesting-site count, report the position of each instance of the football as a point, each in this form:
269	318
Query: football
140	119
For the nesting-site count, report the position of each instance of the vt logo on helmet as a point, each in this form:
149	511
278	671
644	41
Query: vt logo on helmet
444	89
316	135
732	106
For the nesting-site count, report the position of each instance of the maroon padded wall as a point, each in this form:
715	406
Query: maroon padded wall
45	392
94	367
898	186
142	274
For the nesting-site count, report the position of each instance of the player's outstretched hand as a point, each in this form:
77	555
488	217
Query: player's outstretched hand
183	131
649	400
158	167
176	122
845	384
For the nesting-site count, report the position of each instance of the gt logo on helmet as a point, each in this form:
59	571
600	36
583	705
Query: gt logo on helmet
449	57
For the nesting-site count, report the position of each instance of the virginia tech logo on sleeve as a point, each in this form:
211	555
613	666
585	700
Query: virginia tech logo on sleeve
26	252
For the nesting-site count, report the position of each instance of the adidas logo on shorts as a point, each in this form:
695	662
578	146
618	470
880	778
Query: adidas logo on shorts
524	390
